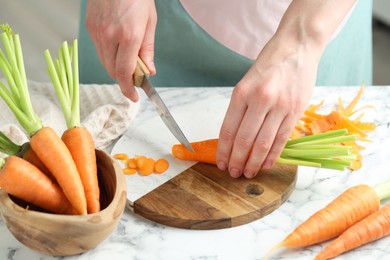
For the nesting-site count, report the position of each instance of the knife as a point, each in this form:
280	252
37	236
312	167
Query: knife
141	79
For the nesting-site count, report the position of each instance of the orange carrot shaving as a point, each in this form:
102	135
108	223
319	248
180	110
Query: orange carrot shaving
347	209
161	165
25	181
371	228
314	123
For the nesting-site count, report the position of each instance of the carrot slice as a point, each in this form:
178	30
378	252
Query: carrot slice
147	167
161	165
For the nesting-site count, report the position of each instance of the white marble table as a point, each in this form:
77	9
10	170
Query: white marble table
138	238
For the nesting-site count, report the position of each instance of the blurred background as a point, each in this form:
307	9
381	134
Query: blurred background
45	24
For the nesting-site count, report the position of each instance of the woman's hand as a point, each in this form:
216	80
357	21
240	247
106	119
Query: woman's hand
265	106
121	30
272	96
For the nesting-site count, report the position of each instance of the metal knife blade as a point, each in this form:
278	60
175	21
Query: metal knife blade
141	79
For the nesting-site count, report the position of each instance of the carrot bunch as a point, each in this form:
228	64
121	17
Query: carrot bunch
143	165
354	217
63	72
342	117
44	141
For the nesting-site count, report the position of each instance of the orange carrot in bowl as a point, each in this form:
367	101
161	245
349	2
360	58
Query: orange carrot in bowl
48	146
7	146
23	180
371	228
78	139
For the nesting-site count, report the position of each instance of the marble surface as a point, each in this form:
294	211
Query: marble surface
141	239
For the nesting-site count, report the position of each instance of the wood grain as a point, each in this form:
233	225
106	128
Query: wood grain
203	197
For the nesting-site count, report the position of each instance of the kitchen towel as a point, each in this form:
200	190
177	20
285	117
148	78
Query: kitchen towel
104	111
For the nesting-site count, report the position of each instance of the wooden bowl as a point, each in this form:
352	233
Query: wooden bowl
63	235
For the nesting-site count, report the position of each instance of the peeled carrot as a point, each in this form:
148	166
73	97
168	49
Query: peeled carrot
347	209
78	139
161	165
81	146
23	180
7	146
53	152
204	151
371	228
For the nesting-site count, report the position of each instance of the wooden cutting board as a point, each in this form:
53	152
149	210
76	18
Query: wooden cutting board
203	197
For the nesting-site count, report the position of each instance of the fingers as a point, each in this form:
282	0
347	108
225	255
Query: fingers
122	31
146	51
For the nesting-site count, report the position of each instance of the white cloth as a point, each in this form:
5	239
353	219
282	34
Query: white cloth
104	111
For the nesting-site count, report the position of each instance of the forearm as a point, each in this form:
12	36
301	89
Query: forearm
312	23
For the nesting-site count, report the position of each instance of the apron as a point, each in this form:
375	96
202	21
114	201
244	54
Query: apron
186	56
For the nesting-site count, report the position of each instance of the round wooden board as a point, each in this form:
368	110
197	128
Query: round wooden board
203	197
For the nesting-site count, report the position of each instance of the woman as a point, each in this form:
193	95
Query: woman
273	52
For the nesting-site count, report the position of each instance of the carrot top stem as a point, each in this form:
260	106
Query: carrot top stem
65	78
383	190
7	146
16	96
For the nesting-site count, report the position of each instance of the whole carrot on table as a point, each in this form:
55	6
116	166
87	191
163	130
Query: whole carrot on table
371	228
45	142
350	207
64	76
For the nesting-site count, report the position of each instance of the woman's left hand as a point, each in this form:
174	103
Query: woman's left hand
265	106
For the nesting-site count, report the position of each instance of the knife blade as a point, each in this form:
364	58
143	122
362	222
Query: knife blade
141	79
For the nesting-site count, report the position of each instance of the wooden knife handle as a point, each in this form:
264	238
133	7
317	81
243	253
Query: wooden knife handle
140	72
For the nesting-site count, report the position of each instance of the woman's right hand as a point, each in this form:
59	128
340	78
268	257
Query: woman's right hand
122	30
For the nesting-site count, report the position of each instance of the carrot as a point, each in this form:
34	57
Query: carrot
7	146
78	139
371	228
146	167
81	146
316	150
129	171
205	151
48	146
347	209
121	156
161	165
23	180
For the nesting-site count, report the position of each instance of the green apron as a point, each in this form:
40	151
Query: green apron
185	55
